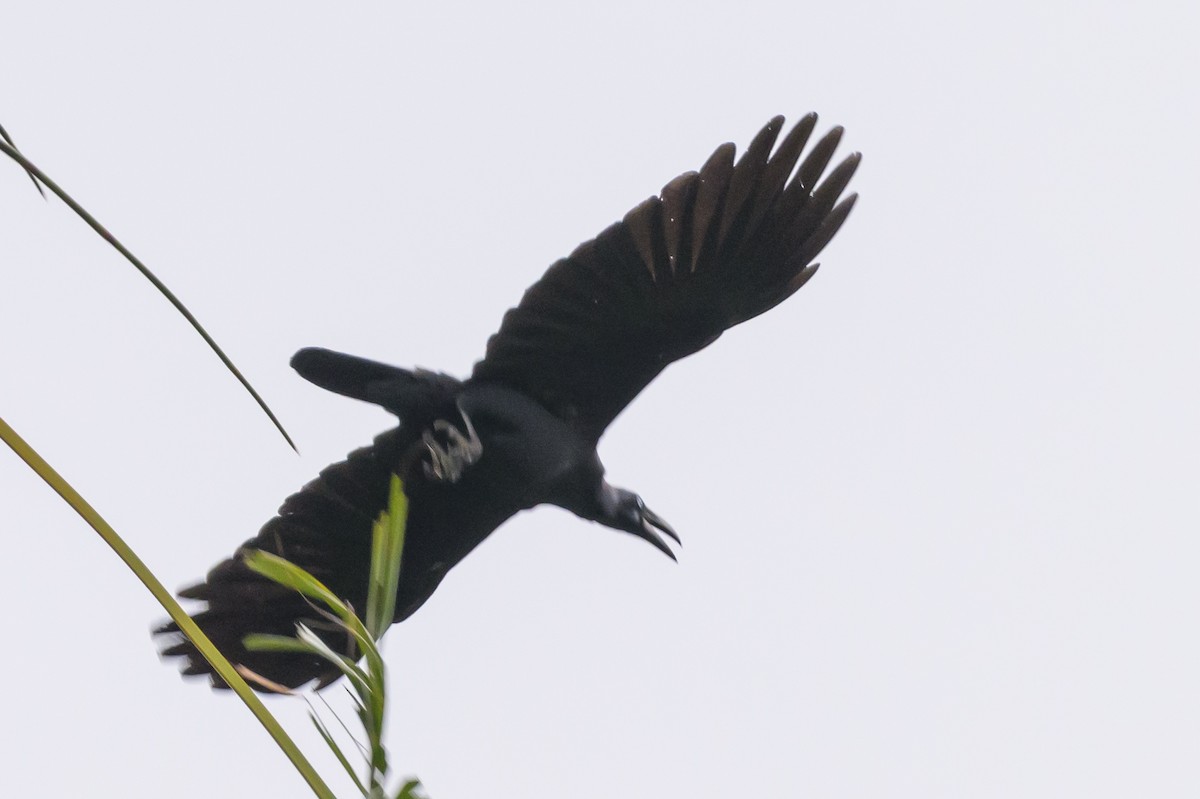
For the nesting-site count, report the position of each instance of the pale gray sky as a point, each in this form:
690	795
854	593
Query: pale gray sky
939	509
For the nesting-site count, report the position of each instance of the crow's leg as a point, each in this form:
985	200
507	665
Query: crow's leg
448	462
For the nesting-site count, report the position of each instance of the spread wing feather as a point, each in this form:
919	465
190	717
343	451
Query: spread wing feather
714	249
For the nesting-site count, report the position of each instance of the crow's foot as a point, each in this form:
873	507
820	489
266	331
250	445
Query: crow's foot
448	461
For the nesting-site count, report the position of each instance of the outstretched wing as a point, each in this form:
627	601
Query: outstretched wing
716	248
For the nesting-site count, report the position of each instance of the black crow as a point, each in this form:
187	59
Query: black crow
714	249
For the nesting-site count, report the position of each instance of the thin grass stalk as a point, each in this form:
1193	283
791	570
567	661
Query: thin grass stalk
177	614
38	175
4	135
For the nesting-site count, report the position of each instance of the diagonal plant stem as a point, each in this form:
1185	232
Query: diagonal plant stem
37	175
189	628
4	135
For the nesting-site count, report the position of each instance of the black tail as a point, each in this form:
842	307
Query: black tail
406	393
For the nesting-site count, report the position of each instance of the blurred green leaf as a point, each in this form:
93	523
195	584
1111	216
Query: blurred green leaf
388	543
409	790
288	574
263	642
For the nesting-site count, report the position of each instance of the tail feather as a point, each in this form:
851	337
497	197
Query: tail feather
404	392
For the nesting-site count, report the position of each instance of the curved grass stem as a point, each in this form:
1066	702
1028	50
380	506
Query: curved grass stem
38	176
189	628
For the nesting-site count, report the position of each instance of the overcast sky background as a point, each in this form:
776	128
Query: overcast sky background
939	509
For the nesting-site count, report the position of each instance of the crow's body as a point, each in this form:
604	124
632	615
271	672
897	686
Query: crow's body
716	248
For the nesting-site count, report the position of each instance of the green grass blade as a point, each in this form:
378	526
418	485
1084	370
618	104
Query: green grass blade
288	574
337	752
408	790
397	519
222	666
13	153
374	584
362	749
353	672
264	642
387	551
359	707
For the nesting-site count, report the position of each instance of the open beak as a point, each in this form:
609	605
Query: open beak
652	526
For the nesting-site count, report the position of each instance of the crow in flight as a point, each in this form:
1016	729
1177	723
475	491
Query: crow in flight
714	249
